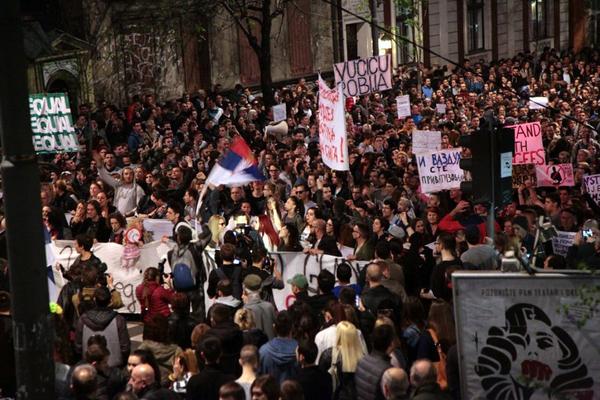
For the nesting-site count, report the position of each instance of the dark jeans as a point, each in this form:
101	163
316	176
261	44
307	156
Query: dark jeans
196	298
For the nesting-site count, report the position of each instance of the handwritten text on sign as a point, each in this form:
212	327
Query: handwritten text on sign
529	148
365	75
440	170
555	175
592	185
332	127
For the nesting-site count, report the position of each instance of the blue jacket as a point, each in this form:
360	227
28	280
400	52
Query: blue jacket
278	358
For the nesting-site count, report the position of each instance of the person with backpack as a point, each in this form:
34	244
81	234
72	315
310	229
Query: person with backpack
187	267
154	298
227	269
83	300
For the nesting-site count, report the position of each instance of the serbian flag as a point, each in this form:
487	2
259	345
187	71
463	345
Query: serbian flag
237	167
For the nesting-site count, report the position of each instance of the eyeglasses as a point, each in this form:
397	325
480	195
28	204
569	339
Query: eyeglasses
299	191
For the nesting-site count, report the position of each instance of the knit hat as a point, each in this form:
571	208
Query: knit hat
522	222
299	281
252	282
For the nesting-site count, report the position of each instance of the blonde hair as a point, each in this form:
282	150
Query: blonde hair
348	346
214	225
244	318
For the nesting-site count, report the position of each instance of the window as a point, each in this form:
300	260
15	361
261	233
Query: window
541	19
352	41
475	34
594	23
405	27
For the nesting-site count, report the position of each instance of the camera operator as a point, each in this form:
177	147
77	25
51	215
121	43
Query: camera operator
585	251
229	267
265	267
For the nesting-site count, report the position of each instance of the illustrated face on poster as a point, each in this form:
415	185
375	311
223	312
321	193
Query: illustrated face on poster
514	363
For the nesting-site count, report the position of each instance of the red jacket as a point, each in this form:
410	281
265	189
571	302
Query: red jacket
158	301
450	225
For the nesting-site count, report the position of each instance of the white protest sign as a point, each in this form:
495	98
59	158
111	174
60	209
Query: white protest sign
279	112
332	127
440	108
426	141
52	124
562	241
403	106
440	170
526	337
538	103
592	186
365	75
158	228
555	175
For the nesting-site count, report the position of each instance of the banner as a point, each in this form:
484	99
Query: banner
127	279
279	112
440	170
521	173
52	124
562	241
529	148
426	141
365	75
332	127
592	186
538	103
403	106
555	175
526	337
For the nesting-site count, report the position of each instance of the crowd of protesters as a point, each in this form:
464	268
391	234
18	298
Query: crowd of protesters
388	334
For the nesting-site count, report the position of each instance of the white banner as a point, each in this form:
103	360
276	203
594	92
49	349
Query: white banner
526	337
332	127
403	106
279	112
426	141
592	186
538	103
127	279
440	170
365	75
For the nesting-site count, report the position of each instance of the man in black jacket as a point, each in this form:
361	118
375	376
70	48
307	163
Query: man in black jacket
230	336
324	244
143	384
206	383
378	298
316	383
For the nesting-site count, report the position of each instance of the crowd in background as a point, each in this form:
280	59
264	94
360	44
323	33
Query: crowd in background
387	333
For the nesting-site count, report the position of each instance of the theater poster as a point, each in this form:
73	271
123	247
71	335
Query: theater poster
524	337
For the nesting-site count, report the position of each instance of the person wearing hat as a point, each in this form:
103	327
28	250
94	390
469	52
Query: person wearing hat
264	312
299	287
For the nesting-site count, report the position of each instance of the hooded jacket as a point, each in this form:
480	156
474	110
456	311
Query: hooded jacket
278	358
98	321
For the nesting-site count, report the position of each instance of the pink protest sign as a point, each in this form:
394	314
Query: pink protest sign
529	148
555	175
332	127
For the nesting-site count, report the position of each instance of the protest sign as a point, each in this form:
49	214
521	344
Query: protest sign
555	175
592	186
426	141
440	108
332	127
365	75
127	279
521	173
440	170
538	103
529	148
157	228
526	337
562	241
52	124
279	112
403	106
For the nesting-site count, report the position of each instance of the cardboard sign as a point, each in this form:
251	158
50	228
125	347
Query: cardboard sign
524	337
332	127
592	186
403	106
562	241
426	141
279	112
538	103
365	75
555	175
529	148
521	173
440	170
52	124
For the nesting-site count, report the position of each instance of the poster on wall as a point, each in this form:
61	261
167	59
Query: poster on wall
524	337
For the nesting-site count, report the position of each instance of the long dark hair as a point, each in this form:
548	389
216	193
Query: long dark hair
294	236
